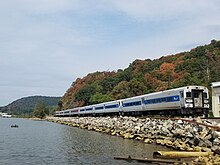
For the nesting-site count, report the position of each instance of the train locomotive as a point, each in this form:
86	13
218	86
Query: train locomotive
184	101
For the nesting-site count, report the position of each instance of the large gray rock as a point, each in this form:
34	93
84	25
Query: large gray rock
178	132
216	141
216	149
208	137
215	134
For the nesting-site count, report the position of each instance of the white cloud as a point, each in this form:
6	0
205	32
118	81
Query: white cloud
153	10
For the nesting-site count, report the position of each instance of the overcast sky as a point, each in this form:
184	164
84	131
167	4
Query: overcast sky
46	44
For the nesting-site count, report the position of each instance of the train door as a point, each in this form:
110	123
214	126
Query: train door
142	103
182	101
120	103
197	98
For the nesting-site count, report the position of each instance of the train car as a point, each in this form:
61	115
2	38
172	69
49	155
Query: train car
112	107
61	114
99	109
166	102
194	100
81	111
57	113
74	111
188	100
132	106
67	112
89	110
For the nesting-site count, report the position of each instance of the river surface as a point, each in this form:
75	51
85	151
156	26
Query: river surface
42	142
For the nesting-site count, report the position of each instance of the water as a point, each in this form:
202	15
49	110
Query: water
42	142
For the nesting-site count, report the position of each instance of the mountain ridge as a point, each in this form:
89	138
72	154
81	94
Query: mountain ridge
25	105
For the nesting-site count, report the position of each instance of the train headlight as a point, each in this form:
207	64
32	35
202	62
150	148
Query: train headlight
189	100
206	101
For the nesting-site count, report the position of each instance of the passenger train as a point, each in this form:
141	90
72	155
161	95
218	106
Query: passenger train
184	101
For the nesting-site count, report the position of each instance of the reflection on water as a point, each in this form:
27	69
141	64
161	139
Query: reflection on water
41	142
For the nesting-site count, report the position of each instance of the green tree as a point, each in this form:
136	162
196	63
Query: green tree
40	110
121	91
136	87
100	98
59	105
125	75
188	79
108	84
86	92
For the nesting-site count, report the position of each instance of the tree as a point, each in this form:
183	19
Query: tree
108	84
86	92
40	110
121	91
99	98
136	87
59	105
167	69
125	75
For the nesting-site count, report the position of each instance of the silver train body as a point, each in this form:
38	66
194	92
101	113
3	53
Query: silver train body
187	101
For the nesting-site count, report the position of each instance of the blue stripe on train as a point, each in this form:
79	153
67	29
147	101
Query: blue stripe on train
111	106
162	100
129	104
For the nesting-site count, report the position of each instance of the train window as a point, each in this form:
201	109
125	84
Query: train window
163	99
147	101
181	94
219	99
188	94
205	95
169	99
158	101
111	106
97	108
196	95
132	104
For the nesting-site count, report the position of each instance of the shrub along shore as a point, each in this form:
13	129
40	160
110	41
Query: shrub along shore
178	134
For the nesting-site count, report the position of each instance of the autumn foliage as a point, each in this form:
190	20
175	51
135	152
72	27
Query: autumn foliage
200	66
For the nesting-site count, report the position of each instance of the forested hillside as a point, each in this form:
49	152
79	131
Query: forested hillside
25	106
200	66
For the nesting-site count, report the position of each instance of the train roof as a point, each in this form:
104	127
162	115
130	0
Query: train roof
169	90
215	84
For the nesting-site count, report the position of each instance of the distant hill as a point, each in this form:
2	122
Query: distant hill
199	66
25	105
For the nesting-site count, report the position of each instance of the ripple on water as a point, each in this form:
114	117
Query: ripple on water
40	142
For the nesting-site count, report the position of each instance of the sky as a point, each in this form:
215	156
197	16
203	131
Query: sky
46	44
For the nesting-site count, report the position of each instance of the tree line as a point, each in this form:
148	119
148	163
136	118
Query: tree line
199	66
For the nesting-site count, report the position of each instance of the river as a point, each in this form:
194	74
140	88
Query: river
42	142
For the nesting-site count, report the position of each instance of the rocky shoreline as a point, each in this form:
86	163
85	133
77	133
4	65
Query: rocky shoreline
178	134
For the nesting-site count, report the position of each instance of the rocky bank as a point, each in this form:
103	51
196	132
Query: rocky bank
178	134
